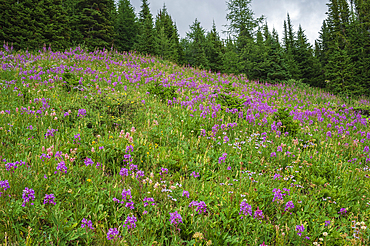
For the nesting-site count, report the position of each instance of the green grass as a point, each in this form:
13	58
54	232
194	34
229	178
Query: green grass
128	112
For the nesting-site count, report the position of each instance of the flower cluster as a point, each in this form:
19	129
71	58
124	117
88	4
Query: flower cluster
14	165
222	158
278	194
50	133
126	197
245	208
86	223
175	218
201	206
5	185
112	233
130	222
28	194
49	199
61	167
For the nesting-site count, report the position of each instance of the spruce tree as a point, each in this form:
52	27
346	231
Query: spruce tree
31	24
290	49
146	39
230	59
214	49
126	26
196	35
167	39
73	18
95	23
279	70
303	56
55	24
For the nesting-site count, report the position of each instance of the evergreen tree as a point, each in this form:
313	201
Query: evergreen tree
214	49
278	69
197	39
146	41
73	14
167	39
303	56
126	26
290	49
95	23
55	24
242	22
230	58
31	24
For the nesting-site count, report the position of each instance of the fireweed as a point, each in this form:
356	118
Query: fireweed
207	160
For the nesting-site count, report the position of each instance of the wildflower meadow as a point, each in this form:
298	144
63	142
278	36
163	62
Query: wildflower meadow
107	148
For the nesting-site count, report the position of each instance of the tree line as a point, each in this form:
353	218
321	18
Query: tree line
339	60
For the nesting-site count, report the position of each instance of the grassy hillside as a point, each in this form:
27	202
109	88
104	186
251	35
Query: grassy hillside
102	148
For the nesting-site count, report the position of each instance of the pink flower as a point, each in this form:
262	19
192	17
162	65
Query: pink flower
92	149
131	139
133	129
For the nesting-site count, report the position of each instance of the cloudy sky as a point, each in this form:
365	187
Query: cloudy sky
308	13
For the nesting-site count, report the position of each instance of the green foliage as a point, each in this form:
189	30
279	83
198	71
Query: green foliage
228	100
95	23
126	27
146	39
164	93
31	24
288	124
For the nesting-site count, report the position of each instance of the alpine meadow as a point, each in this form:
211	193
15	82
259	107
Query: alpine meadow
114	130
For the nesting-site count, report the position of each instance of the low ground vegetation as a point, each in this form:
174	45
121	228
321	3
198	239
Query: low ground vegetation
105	148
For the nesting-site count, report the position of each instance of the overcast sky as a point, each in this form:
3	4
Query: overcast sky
308	13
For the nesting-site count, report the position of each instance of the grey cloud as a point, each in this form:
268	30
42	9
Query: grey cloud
308	13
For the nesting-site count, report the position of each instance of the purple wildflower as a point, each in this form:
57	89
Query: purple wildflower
123	172
185	193
112	233
175	218
299	229
81	113
194	174
5	185
163	171
49	199
222	158
28	194
328	134
277	176
148	199
50	133
273	154
88	162
126	195
258	214
278	196
61	167
327	222
201	206
130	222
342	211
87	223
366	149
245	208
289	205
139	174
279	149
